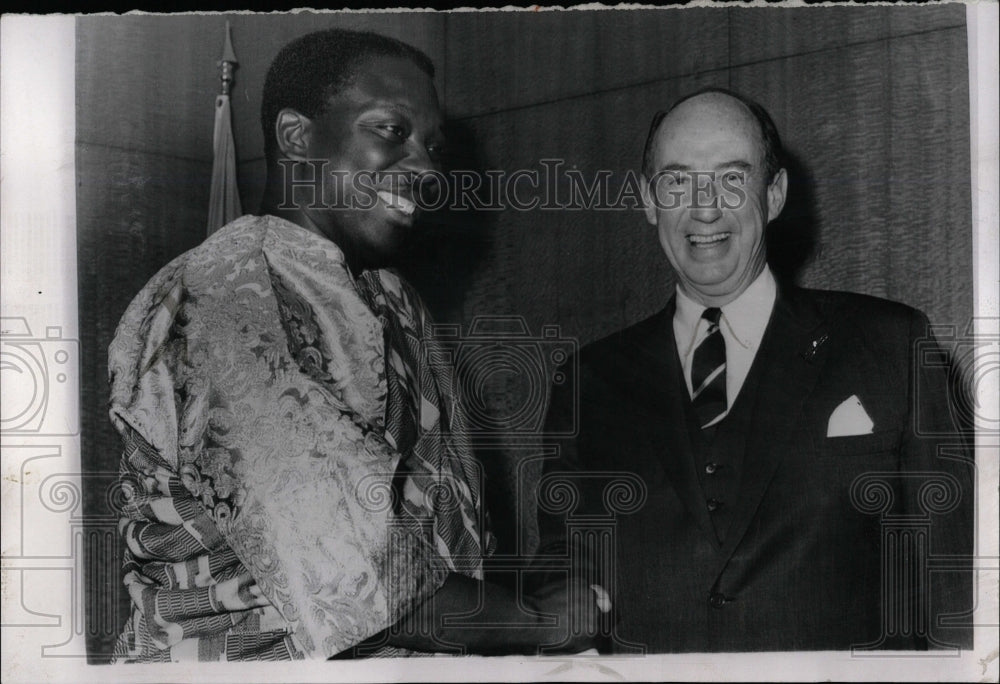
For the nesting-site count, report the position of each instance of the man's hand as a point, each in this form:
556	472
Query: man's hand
581	615
559	617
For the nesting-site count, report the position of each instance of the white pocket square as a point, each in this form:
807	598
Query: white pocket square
850	418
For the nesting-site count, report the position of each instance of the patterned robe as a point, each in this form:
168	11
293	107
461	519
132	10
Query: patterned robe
295	461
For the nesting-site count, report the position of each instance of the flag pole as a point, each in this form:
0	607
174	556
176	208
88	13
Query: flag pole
228	62
224	201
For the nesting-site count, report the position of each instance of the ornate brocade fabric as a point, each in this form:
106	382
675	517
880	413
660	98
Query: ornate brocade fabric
271	514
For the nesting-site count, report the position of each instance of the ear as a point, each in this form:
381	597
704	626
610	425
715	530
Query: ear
293	132
648	205
776	194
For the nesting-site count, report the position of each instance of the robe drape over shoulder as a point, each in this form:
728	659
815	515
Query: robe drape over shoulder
273	510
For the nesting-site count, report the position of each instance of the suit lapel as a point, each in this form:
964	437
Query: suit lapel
791	356
659	363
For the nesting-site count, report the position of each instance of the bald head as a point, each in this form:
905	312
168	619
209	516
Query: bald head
705	111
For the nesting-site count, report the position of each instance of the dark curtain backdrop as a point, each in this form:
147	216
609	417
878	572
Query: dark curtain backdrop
872	104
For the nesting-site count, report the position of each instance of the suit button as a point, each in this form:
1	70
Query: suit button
716	600
711	468
713	505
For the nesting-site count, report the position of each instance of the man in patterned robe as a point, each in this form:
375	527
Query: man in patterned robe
297	473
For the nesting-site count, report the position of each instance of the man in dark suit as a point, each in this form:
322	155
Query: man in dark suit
781	470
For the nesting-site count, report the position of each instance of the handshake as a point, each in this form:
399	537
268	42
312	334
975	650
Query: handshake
480	617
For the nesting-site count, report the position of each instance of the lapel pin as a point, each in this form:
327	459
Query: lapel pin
810	353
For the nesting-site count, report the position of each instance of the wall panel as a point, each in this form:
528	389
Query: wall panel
759	34
149	83
929	198
537	57
874	145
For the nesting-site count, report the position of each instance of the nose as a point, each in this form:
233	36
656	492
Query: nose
417	160
421	170
705	203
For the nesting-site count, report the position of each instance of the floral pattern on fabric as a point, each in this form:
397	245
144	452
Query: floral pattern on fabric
248	382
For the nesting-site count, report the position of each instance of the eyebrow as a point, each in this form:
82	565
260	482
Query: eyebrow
391	106
399	108
733	164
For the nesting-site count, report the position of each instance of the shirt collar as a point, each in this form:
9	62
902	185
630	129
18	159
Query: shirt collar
746	316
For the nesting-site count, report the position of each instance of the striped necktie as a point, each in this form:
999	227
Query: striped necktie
708	372
402	387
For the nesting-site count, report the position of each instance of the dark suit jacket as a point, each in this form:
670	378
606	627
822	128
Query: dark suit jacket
832	540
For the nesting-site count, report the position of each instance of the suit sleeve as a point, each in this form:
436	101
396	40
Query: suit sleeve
552	519
570	487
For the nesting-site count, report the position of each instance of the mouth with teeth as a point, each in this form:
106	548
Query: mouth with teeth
397	203
707	241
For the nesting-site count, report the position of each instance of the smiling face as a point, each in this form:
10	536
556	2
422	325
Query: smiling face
376	136
709	198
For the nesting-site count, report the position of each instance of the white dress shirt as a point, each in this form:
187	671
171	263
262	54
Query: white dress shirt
742	323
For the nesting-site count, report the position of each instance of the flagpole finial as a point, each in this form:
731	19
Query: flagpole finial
228	62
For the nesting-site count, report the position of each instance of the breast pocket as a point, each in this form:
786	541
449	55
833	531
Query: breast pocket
886	441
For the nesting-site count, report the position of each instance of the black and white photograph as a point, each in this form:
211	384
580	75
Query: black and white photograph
595	343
